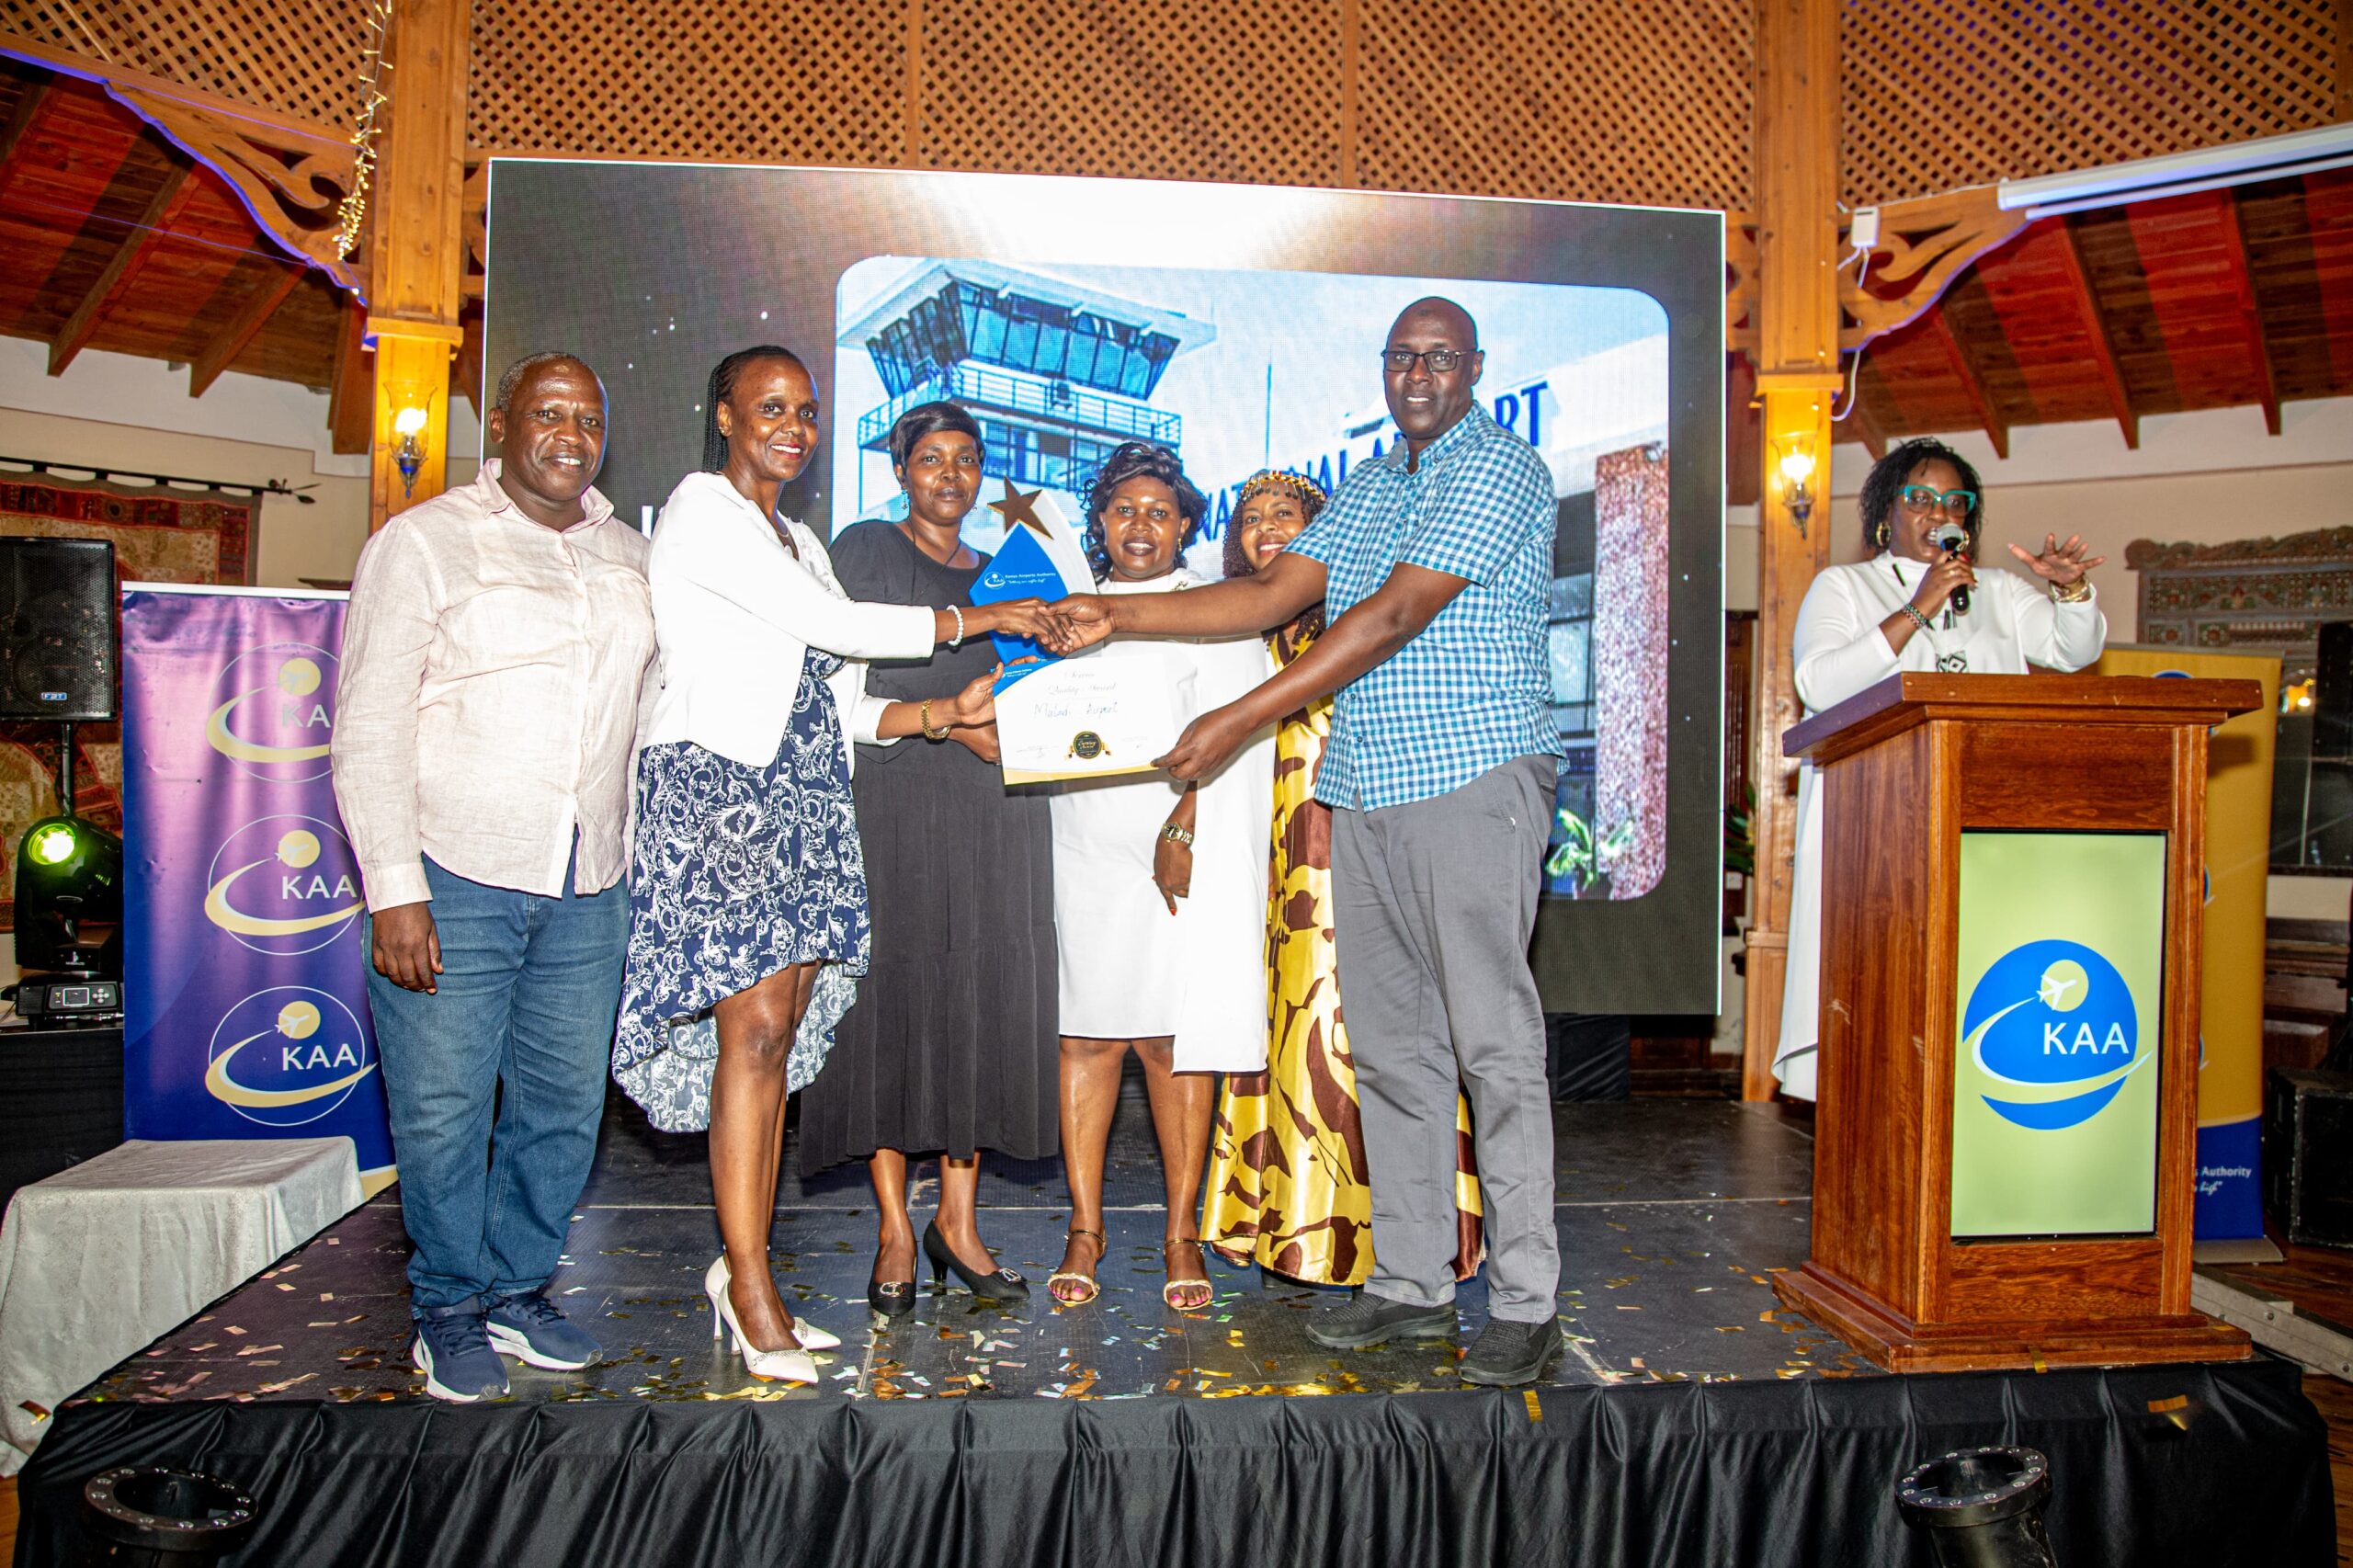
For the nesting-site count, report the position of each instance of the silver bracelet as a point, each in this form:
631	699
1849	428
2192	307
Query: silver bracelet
1914	611
958	641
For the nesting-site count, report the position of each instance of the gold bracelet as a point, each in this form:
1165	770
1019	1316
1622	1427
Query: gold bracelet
2073	593
922	719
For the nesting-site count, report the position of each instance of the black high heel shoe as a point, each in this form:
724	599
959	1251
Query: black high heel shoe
1005	1285
890	1298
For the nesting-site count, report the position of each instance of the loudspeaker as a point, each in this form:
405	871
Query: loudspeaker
2333	692
2308	1155
59	636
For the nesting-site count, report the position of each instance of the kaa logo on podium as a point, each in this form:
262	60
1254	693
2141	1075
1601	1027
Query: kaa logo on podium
2052	1026
273	711
287	1056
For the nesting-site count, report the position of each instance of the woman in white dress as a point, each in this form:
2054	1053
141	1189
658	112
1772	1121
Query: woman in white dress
1160	901
1860	624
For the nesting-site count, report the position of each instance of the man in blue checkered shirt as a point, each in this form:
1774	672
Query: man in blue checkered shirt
1433	563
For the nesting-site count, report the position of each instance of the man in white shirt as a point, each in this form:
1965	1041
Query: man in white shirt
493	654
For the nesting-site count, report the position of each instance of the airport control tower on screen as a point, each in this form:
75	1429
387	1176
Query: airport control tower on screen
1056	374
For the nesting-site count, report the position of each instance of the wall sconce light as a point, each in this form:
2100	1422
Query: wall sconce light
1797	468
410	424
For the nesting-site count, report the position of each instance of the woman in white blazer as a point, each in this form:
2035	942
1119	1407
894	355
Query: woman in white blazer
1861	623
748	885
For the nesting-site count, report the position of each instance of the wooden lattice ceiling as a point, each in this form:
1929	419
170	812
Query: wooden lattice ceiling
1974	92
1617	100
114	240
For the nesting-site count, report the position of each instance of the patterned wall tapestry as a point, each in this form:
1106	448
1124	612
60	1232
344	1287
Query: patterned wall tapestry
2255	595
160	536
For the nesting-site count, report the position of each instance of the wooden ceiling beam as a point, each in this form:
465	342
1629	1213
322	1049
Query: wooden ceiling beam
1972	385
145	230
2240	281
1862	423
20	121
351	398
467	367
242	328
2103	347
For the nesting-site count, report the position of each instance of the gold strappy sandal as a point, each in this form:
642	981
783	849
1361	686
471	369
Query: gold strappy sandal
1091	1289
1168	1291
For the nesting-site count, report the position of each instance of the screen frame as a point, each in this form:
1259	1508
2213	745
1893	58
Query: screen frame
558	277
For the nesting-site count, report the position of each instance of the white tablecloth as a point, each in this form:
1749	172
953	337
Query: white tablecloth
101	1260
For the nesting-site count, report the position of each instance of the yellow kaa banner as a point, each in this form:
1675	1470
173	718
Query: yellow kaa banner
2238	854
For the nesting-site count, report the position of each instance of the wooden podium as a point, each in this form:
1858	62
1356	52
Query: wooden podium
1906	769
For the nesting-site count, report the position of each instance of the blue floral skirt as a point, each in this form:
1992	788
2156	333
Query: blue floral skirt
739	872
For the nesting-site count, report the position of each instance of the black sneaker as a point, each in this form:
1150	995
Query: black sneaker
1367	1319
1508	1354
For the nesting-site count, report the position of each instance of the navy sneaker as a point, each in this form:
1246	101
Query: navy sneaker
528	1326
454	1354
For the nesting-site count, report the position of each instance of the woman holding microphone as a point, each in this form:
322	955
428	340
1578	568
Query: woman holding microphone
1923	603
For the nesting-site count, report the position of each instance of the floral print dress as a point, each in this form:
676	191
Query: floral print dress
739	872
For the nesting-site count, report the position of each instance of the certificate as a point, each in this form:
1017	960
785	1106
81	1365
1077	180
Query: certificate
1109	710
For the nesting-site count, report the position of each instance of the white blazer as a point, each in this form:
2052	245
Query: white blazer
735	615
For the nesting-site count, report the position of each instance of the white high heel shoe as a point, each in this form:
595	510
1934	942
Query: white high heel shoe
769	1365
806	1335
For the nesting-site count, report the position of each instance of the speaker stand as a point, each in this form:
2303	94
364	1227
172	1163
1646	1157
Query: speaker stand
65	771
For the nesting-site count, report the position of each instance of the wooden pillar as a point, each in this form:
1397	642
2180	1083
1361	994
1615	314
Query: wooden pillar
417	255
1797	250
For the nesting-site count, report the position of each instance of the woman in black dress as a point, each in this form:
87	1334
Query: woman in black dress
951	1047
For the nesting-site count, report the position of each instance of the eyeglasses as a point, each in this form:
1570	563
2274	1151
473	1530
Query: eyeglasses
1955	503
1440	360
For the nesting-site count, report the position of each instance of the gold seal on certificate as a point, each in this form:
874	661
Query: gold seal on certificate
1109	710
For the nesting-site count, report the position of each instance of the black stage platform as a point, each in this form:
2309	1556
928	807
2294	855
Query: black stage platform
1691	1420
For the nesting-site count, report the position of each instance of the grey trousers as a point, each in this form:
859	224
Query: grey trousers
1435	903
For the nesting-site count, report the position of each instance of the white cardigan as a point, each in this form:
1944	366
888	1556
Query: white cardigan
734	615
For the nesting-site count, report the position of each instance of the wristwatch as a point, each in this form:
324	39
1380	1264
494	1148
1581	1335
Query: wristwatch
1176	834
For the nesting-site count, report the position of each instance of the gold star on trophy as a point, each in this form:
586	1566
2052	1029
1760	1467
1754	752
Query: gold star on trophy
1020	507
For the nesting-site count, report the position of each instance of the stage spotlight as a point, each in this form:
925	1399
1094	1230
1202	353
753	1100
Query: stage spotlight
165	1518
68	874
1981	1507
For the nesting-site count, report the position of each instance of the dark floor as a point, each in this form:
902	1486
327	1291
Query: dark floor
1672	1214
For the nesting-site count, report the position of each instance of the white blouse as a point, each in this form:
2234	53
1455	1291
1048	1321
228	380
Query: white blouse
1840	649
735	615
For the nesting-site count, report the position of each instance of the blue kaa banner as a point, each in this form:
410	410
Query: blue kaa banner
244	986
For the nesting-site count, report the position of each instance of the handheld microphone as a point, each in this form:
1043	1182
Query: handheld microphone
1953	540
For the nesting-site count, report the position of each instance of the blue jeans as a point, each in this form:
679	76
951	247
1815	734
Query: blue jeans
528	991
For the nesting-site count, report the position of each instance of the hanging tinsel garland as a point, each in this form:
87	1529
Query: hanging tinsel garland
353	212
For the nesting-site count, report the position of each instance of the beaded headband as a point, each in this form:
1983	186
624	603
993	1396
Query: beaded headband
1311	494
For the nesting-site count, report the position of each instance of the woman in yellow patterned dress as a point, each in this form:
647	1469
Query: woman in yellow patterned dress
1287	1187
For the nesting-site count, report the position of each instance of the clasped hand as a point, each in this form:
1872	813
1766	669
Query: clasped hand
1064	627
